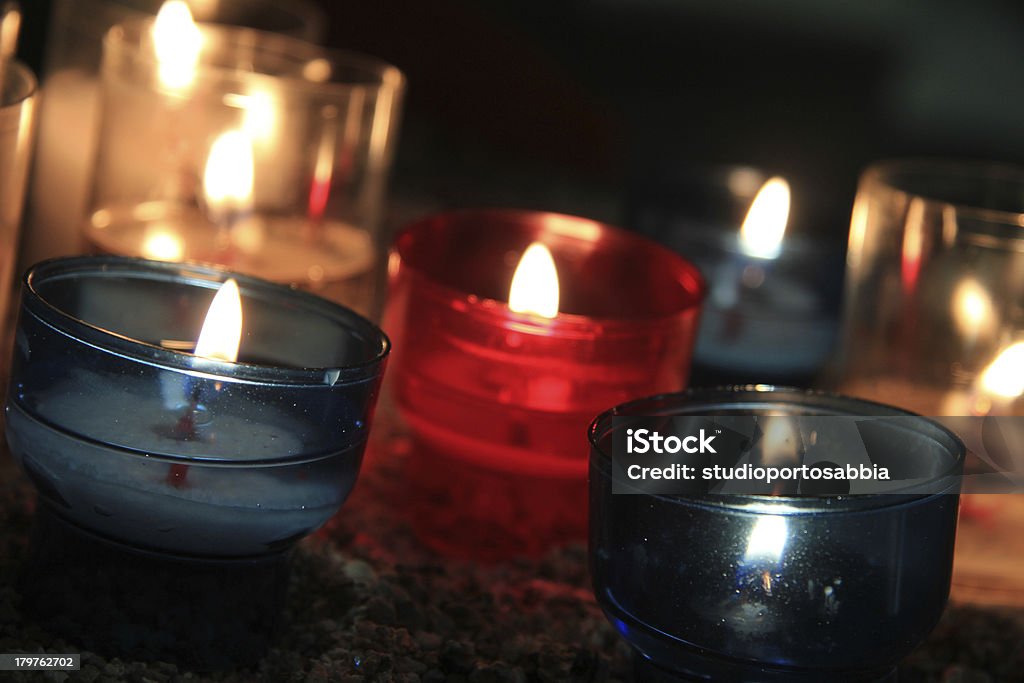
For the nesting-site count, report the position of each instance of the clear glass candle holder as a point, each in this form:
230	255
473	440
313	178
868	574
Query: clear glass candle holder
496	401
18	97
150	461
731	587
260	153
69	119
934	323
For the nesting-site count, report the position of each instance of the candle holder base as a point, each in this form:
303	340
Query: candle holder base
463	510
199	613
647	671
658	659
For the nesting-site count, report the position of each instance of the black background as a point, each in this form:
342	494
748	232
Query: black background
573	105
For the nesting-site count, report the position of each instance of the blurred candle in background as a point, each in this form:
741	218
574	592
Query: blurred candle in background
251	150
18	99
771	311
69	119
933	323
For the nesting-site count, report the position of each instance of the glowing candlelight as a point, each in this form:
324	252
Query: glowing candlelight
177	42
228	176
767	539
163	245
215	513
972	307
765	225
259	118
534	287
1004	377
219	339
994	390
221	334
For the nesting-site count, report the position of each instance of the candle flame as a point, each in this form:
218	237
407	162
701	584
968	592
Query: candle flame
163	245
767	539
177	42
765	224
1004	377
259	118
228	176
535	283
222	330
972	306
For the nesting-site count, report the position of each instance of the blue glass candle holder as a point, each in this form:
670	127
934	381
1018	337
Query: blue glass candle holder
101	386
730	587
770	316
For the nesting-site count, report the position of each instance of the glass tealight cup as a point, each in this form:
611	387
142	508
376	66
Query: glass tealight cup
721	586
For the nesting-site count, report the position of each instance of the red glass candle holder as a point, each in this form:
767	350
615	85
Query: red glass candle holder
496	402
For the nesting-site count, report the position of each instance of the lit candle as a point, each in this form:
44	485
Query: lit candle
973	313
741	586
188	453
770	315
251	151
173	485
218	340
225	227
993	391
763	321
497	394
69	123
177	43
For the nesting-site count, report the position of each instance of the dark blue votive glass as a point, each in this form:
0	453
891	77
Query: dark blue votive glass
158	460
732	587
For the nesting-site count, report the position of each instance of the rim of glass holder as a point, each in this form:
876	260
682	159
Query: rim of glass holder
205	276
884	173
698	398
308	19
23	84
307	24
496	312
132	40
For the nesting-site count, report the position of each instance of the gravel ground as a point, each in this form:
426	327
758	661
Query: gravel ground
367	603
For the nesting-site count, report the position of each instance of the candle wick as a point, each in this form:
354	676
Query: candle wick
184	430
176	475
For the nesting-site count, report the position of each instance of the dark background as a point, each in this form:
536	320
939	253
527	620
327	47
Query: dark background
583	106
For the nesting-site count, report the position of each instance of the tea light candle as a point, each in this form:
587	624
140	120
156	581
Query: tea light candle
771	314
330	257
496	394
262	154
764	320
171	484
69	122
273	449
776	587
